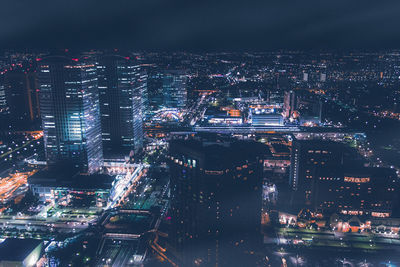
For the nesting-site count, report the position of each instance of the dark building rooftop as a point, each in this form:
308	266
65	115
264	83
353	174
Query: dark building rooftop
129	223
71	179
220	151
13	249
280	148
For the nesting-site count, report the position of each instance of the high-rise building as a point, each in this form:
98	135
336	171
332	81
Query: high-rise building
174	88
69	105
155	88
312	158
122	85
307	155
355	191
216	190
22	98
3	100
290	103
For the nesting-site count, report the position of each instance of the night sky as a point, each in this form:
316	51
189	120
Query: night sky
200	25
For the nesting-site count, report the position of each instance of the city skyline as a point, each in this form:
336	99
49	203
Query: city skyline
116	157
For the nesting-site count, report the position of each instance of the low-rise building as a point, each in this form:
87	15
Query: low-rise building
20	252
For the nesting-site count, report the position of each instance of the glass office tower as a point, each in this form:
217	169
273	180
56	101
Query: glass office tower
69	104
174	88
122	85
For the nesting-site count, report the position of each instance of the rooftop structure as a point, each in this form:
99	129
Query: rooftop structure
20	252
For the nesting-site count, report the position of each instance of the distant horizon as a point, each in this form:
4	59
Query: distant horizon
200	25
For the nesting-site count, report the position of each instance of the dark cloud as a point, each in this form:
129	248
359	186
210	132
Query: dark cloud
200	24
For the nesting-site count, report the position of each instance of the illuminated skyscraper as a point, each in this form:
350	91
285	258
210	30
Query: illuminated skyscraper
69	104
174	88
122	86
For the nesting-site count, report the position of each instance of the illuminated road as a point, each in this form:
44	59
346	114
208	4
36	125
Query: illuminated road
194	113
10	184
125	185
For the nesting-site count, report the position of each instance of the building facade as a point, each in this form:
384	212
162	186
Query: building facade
122	87
370	192
155	88
290	103
216	201
328	176
20	95
174	88
69	104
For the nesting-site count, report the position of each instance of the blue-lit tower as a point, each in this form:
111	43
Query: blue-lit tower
69	105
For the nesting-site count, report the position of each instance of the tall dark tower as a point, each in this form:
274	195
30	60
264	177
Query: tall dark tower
20	88
122	86
155	87
216	201
69	105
